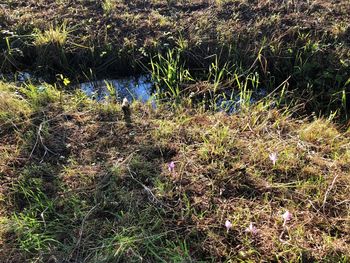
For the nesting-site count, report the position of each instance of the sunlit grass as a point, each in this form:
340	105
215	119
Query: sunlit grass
56	35
108	6
13	106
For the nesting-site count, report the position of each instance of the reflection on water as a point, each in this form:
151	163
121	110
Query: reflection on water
233	102
132	88
141	89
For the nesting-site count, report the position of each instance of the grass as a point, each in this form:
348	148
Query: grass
13	107
53	35
169	74
276	41
108	6
245	157
79	184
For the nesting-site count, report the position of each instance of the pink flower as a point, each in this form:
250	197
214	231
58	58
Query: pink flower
171	167
228	225
287	216
251	229
273	157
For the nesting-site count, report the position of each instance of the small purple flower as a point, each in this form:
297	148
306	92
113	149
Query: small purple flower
251	229
171	167
228	225
273	157
287	216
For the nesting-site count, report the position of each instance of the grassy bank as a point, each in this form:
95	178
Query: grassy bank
184	181
304	45
180	184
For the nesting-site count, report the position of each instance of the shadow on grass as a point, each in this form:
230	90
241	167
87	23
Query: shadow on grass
87	193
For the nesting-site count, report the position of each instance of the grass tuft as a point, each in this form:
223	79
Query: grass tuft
53	35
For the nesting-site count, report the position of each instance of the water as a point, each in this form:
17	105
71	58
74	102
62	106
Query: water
141	89
132	88
233	102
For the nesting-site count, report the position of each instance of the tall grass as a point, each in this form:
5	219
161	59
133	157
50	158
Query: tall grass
169	74
225	87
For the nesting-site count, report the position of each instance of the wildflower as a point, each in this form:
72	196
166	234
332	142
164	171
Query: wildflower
287	216
171	167
273	157
228	225
251	229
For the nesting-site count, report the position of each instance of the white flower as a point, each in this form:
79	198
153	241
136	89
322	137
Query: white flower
251	229
273	157
228	225
287	216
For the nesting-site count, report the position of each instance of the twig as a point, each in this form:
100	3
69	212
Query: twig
40	138
82	229
328	191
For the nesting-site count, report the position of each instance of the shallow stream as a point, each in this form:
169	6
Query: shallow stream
133	88
141	88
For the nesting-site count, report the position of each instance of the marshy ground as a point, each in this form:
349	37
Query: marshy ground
185	181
